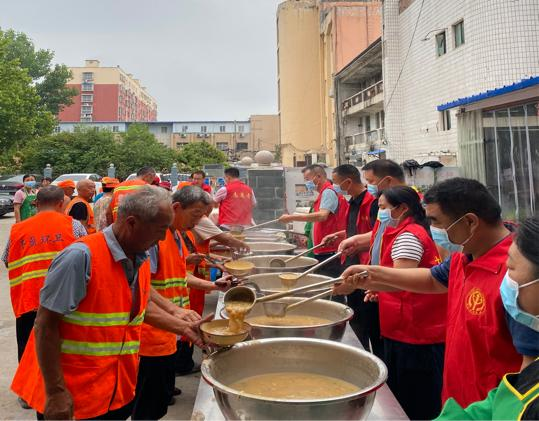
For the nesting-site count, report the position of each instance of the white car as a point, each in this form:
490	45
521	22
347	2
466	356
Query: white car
96	178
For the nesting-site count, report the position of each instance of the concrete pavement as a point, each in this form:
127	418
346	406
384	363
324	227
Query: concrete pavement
9	408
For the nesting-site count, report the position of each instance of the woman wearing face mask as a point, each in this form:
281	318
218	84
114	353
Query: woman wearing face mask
23	201
517	396
412	325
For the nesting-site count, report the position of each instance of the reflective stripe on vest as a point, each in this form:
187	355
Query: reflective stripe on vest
99	349
32	258
122	190
27	276
102	319
168	283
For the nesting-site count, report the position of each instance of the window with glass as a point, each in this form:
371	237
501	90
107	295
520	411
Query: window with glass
222	129
203	129
86	109
511	157
184	129
115	129
241	128
441	48
87	87
458	32
87	76
222	146
164	129
445	117
87	98
242	146
180	145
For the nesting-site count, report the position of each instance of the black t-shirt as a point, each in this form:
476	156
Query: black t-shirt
79	212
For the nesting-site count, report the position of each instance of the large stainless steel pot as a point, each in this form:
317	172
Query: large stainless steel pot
297	355
338	314
261	248
262	263
270	282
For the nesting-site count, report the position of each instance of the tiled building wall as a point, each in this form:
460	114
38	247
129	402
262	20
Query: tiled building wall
501	47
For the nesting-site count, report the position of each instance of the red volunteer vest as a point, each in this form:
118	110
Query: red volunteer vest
336	222
237	207
170	282
363	223
99	341
479	350
34	242
406	316
197	297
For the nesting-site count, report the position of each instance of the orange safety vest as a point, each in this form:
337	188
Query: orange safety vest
34	242
169	281
91	223
99	341
125	188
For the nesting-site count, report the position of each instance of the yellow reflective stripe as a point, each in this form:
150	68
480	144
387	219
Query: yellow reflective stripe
38	257
80	318
99	349
161	284
127	188
97	319
26	276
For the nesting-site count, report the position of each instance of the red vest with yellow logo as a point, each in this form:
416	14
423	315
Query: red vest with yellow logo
91	223
170	282
125	188
334	223
237	207
34	242
406	316
479	350
99	341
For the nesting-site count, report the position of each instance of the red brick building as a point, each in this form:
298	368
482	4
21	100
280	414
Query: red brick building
107	94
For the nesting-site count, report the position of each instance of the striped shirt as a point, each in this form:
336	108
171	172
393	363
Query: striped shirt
407	246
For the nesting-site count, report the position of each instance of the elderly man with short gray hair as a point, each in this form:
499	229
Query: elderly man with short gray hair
83	359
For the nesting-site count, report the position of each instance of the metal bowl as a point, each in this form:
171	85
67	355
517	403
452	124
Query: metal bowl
315	356
270	282
220	339
262	248
262	263
338	314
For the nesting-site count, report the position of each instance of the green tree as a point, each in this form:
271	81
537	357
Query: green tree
22	116
193	156
49	81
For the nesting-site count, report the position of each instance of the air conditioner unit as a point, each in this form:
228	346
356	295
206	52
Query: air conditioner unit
200	135
242	135
206	135
184	135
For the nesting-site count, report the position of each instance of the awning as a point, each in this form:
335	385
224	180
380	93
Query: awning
523	84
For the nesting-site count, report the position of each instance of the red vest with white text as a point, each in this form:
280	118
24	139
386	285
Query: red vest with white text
237	207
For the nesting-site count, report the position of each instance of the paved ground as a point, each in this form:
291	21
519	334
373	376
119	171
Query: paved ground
9	408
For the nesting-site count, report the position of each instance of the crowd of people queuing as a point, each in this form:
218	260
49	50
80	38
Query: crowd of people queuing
108	296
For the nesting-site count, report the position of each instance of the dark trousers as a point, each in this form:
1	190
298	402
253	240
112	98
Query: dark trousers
415	377
23	327
155	386
333	269
183	359
366	323
122	413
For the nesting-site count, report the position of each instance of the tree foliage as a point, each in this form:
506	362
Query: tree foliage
87	150
193	156
49	81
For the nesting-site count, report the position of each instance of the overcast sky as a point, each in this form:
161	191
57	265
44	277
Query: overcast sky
200	59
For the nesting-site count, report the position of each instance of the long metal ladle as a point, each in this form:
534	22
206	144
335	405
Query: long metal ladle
290	279
279	308
277	262
248	295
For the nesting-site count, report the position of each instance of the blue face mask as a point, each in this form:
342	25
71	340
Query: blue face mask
440	237
384	216
30	184
337	189
509	292
525	339
372	189
309	185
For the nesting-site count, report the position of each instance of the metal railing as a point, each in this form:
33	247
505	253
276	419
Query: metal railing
364	139
364	95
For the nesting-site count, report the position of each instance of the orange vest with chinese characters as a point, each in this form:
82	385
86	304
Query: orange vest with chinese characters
99	342
34	242
123	189
91	223
170	282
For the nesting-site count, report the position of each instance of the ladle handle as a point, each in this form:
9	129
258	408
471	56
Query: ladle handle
260	225
319	265
308	300
298	290
303	253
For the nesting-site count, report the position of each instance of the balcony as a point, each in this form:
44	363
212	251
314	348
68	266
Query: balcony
367	98
362	142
